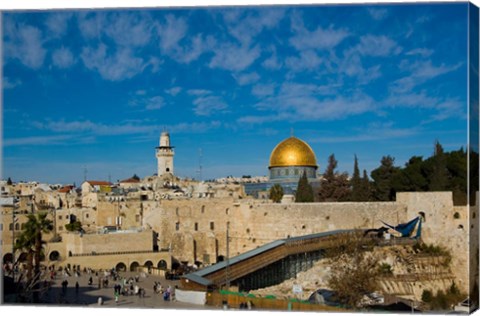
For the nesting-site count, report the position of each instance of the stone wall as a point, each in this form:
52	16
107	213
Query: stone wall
195	229
108	243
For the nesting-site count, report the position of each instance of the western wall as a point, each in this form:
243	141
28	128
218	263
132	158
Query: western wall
195	229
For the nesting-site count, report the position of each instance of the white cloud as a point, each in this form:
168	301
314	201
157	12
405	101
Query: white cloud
24	43
208	105
119	66
424	52
377	46
91	24
233	57
272	62
307	61
174	91
63	58
263	90
247	78
129	29
245	29
172	32
306	102
378	13
38	140
147	102
418	73
155	103
373	132
175	42
10	84
198	92
441	108
319	39
57	23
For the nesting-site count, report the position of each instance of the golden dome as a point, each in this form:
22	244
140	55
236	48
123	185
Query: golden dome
292	152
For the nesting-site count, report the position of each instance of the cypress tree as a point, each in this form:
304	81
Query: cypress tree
438	178
304	190
356	183
335	186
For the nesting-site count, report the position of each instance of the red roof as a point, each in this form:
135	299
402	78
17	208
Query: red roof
130	180
65	189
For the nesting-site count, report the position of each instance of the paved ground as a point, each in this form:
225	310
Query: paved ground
87	295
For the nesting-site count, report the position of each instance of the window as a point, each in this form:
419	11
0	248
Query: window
196	226
60	227
59	217
66	217
296	172
226	211
17	226
86	215
10	227
203	209
1	227
177	226
212	225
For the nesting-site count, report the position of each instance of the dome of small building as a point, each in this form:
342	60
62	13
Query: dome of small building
292	152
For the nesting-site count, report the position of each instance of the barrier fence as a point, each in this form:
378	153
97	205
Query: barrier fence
234	300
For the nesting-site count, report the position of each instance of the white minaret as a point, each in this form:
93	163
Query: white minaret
165	155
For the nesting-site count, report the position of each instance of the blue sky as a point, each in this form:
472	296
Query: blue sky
94	88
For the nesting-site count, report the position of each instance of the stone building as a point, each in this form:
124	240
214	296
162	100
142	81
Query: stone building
164	154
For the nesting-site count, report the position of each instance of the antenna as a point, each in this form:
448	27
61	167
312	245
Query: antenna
85	172
200	164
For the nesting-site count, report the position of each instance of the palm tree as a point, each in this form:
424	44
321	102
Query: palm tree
31	240
24	244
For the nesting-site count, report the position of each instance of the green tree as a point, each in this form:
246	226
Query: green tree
304	190
366	188
383	176
361	188
26	244
276	193
75	226
37	225
438	178
334	186
355	182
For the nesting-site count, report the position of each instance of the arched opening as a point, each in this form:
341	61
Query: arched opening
121	267
422	214
54	256
7	258
162	265
134	266
149	265
175	265
220	258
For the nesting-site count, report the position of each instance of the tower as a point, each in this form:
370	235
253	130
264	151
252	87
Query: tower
164	154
